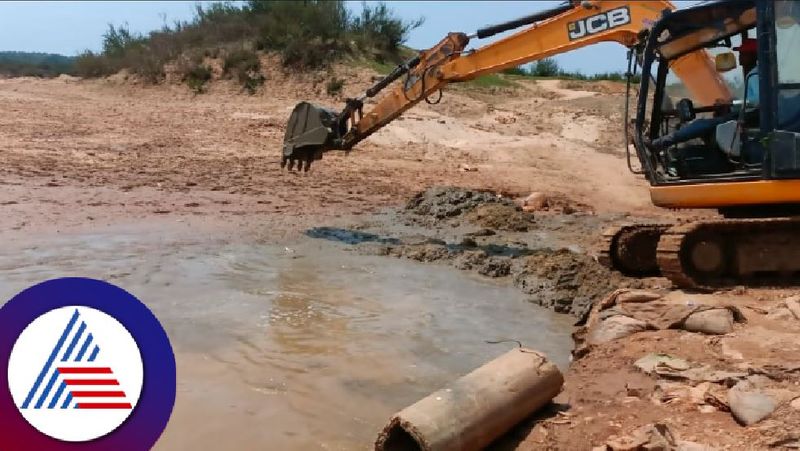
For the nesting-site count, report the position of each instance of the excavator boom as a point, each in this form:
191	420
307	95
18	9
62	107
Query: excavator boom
313	130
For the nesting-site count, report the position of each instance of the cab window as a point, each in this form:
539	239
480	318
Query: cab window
787	32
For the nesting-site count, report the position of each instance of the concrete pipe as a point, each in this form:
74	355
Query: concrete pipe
477	408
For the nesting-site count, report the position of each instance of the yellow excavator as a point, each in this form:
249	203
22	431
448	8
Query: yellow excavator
708	150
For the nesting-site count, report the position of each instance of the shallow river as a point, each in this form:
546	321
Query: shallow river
309	346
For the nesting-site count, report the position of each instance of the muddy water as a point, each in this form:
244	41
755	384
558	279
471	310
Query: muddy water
305	346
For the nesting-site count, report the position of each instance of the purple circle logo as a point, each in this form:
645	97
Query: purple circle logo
86	365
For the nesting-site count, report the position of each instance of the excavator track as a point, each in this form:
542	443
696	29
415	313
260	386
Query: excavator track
631	248
707	255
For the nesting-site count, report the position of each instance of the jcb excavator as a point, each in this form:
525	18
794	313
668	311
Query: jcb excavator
708	150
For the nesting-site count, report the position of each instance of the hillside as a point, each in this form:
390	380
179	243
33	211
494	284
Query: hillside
307	35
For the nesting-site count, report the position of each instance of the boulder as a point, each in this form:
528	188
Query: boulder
716	321
615	327
749	406
534	202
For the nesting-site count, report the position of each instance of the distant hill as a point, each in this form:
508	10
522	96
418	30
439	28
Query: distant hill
307	35
34	64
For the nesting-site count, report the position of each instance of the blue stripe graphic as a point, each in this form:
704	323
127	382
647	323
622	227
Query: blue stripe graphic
94	353
74	342
57	395
84	347
67	401
49	363
47	389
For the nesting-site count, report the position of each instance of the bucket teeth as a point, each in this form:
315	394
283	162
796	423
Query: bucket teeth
301	158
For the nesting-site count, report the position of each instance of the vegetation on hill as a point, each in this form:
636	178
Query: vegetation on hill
226	38
26	64
549	68
308	35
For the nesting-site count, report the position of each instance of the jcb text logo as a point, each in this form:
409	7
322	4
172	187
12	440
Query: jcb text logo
600	22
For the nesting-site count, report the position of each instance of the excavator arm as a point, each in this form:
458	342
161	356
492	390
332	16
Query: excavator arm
313	130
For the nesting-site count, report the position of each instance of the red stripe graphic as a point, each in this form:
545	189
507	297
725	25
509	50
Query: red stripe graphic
98	394
91	382
104	405
84	370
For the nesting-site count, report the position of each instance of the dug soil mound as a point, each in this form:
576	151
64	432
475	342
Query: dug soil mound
500	216
442	202
568	282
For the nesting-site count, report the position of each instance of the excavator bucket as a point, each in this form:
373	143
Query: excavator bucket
311	130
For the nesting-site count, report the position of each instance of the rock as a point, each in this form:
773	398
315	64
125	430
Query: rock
685	445
615	327
637	296
649	362
495	267
793	304
534	202
749	406
653	437
781	313
468	242
467	168
717	321
795	404
481	232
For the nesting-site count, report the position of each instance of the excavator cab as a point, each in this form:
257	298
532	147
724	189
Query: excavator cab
751	136
739	154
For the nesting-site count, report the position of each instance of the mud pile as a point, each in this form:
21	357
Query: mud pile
568	282
500	216
443	202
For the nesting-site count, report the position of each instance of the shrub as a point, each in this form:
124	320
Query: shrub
196	77
378	30
519	70
334	86
245	67
89	64
547	67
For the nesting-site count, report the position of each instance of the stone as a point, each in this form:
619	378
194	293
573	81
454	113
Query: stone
613	328
717	321
749	406
793	304
654	437
534	202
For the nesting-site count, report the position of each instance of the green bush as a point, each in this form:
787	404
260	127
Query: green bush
245	67
334	86
519	71
547	67
196	77
380	32
89	64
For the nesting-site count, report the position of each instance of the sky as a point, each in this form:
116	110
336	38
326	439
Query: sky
69	27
